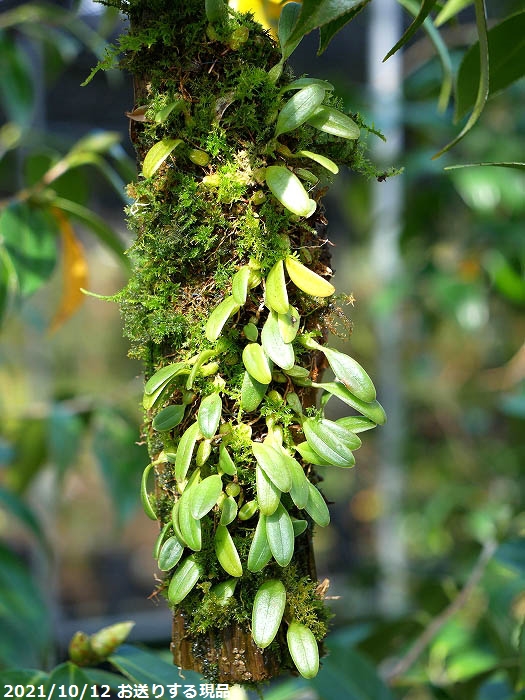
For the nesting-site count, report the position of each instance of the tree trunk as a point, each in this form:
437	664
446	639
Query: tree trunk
202	214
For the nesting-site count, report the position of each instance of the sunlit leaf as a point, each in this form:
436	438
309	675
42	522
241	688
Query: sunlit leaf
144	495
209	414
280	535
289	323
204	496
301	83
219	316
281	353
450	9
316	507
334	122
303	649
299	108
260	552
372	410
267	613
257	363
226	552
190	527
275	293
274	464
170	554
307	280
157	154
183	580
268	495
322	160
288	189
252	393
185	451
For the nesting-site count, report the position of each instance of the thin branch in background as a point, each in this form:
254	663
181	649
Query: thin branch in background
428	634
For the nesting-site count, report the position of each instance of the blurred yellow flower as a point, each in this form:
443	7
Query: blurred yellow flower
264	11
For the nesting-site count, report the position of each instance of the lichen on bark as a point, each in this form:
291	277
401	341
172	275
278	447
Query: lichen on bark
204	215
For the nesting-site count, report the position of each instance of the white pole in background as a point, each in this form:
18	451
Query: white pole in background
385	84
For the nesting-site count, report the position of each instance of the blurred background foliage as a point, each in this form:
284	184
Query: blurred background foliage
74	549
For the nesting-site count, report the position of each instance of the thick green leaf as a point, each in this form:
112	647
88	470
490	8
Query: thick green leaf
280	535
229	510
204	496
144	495
274	464
257	363
226	552
275	293
316	507
267	613
219	316
260	552
170	553
334	122
67	675
300	107
185	451
357	424
240	284
29	235
224	590
287	21
281	353
307	280
168	417
268	495
372	410
310	455
299	491
190	528
329	30
226	463
209	415
289	190
303	649
162	376
348	372
331	441
183	581
506	49
252	393
216	11
161	539
424	10
299	526
157	154
199	361
175	521
318	158
483	82
289	323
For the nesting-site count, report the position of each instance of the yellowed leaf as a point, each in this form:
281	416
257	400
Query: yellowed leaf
74	272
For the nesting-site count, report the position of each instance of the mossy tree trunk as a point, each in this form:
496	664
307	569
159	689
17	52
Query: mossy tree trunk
224	412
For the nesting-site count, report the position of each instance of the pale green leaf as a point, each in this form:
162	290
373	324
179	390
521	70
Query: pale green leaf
288	189
300	107
267	613
157	154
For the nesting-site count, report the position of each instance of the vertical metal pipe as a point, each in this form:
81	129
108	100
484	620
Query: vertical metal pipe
385	83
